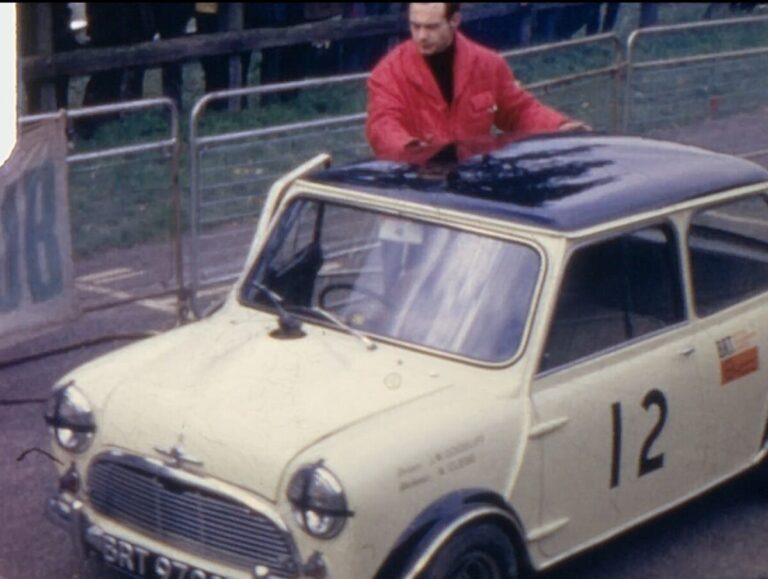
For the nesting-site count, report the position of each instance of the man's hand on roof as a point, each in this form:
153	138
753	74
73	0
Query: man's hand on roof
415	144
574	126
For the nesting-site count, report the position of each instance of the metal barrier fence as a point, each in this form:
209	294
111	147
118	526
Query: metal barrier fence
126	245
683	74
230	172
585	77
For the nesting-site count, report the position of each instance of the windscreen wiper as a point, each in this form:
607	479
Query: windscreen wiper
289	324
369	344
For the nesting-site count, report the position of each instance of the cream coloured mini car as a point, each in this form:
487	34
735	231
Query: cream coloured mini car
473	370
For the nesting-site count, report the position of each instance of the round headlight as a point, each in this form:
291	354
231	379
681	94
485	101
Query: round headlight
70	418
318	501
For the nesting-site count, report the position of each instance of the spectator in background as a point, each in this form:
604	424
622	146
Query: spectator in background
510	30
278	64
440	87
122	24
109	25
116	24
281	63
63	41
298	61
321	58
611	16
170	21
556	23
733	7
649	14
361	54
210	18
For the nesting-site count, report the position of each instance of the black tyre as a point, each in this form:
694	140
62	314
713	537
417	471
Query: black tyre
479	552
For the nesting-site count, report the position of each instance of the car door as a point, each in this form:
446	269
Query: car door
728	256
619	388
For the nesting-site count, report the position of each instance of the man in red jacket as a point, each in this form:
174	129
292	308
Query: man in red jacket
440	87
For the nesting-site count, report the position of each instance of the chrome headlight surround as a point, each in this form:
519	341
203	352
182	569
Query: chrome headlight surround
318	501
71	419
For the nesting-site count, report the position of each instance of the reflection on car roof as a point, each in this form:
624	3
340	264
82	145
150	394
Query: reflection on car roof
564	182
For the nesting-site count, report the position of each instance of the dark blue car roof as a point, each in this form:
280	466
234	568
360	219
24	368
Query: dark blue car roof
563	182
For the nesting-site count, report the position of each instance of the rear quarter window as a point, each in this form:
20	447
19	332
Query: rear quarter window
728	249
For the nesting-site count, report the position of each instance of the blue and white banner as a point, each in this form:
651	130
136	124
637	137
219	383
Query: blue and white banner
36	270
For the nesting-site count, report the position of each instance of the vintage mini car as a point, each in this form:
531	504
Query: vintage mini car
470	369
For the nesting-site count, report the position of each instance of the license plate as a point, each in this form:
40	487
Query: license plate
140	562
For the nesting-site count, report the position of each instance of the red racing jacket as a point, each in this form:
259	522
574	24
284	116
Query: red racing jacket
405	101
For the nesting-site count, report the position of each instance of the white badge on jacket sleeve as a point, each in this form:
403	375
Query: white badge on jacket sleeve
8	90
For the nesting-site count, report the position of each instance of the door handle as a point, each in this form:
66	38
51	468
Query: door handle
687	351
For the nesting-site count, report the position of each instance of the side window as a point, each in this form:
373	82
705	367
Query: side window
614	291
728	248
303	226
294	264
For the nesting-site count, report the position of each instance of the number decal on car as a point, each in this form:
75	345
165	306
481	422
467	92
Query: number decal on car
647	464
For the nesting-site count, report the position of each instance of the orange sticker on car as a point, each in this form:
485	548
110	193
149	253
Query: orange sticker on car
739	365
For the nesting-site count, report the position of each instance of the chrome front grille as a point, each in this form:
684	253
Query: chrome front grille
191	517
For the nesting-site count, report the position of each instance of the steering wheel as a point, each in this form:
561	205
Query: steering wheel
356	313
351	289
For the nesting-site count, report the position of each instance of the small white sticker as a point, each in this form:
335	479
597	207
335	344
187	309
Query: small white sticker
401	231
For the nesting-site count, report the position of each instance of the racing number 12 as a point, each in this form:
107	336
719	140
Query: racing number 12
647	463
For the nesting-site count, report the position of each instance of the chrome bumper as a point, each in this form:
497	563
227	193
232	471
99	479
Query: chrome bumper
67	513
64	511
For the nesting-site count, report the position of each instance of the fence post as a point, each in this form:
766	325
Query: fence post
233	15
629	60
183	306
44	47
194	201
618	86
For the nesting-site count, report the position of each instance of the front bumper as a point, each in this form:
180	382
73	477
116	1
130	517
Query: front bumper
69	513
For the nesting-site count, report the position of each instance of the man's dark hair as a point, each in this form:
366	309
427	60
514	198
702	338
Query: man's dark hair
451	8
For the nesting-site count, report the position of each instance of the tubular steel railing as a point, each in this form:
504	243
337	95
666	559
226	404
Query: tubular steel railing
91	167
609	76
269	168
258	156
720	52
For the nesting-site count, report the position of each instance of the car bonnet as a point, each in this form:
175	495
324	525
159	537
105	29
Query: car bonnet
245	403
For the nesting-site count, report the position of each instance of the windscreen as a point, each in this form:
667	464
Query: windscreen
397	278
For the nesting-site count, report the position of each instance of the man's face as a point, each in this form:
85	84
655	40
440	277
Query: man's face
430	28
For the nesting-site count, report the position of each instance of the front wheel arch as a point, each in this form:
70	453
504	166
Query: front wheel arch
438	523
480	550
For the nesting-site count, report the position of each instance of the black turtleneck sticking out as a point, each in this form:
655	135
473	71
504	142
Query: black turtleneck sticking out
441	65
